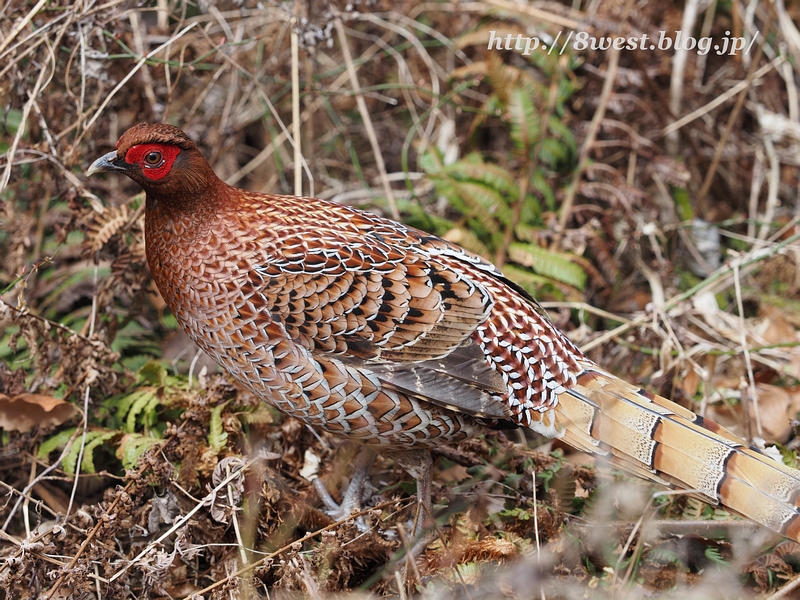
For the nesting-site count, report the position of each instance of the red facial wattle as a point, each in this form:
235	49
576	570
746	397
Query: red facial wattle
143	155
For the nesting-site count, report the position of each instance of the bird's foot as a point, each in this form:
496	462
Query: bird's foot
351	501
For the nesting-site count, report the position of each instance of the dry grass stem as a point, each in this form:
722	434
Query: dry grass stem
732	119
362	109
594	126
298	160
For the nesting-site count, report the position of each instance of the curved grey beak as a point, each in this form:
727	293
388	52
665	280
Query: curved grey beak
107	162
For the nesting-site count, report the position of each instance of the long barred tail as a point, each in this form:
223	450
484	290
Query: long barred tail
654	438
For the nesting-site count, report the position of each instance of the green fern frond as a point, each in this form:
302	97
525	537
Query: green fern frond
524	120
551	264
132	447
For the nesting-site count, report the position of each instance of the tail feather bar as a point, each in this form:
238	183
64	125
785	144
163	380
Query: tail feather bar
649	435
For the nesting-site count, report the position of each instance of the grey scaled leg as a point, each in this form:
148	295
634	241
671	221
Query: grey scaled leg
419	465
351	501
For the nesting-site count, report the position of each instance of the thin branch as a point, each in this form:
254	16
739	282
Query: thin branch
131	73
720	274
722	98
583	161
365	116
22	24
734	116
298	154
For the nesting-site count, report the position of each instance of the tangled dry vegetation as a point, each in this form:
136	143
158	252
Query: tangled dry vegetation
649	199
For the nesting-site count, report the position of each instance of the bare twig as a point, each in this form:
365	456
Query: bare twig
679	59
365	116
38	86
734	116
535	12
298	154
752	393
23	23
56	588
721	274
181	521
89	379
583	160
536	530
125	80
289	546
722	98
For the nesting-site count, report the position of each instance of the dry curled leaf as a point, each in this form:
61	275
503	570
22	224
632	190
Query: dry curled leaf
489	549
789	552
24	411
777	406
226	499
767	569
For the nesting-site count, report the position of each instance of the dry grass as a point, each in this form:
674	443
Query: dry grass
348	103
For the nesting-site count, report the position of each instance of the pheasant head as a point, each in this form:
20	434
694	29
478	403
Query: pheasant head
188	223
164	161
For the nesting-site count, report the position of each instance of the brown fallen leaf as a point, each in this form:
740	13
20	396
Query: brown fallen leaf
24	411
767	570
454	473
489	549
774	327
690	382
777	407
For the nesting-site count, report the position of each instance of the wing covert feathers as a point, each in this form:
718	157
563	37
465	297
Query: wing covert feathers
654	438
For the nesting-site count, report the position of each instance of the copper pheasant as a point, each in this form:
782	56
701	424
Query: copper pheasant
381	333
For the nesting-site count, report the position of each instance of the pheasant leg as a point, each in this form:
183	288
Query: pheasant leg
418	464
351	501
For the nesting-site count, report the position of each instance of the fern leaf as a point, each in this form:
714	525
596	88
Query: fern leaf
134	404
524	120
217	438
59	440
554	154
483	199
93	439
100	437
551	264
153	373
557	127
472	167
467	239
664	555
714	556
132	447
104	226
694	509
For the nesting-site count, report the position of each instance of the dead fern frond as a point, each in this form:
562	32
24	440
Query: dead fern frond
101	227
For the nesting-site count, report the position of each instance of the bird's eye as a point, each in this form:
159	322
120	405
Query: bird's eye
152	159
